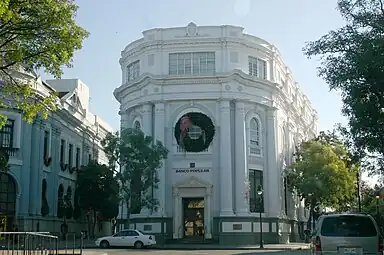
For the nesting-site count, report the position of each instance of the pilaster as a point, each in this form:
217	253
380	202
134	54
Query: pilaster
124	120
147	119
273	175
159	134
176	214
241	171
226	190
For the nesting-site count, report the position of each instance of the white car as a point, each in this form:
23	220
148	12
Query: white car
127	237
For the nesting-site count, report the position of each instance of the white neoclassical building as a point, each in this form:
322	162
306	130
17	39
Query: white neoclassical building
229	111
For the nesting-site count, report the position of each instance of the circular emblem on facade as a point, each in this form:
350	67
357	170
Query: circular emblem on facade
194	132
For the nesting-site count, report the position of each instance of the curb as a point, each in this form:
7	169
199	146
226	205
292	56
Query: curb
218	248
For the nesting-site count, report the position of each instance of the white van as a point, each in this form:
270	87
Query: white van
346	234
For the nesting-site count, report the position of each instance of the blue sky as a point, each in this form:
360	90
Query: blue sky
286	23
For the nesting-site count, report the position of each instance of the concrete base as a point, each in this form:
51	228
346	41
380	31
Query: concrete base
225	230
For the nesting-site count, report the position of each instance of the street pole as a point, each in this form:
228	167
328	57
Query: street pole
261	229
358	190
377	206
260	193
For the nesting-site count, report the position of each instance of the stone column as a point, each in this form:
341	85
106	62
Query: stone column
176	214
273	174
207	216
241	171
34	196
159	134
226	204
147	129
147	119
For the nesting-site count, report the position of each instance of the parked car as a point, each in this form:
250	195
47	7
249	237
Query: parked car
127	238
346	233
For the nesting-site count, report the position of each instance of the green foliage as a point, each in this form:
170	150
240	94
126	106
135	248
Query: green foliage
139	157
352	63
97	189
323	172
35	35
4	158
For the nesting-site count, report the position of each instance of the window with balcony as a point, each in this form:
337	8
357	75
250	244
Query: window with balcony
254	137
257	67
62	150
132	71
256	201
6	134
192	63
70	155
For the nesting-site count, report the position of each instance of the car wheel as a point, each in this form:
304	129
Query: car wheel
138	245
104	244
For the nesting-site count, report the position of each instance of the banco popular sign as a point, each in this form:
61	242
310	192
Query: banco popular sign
192	170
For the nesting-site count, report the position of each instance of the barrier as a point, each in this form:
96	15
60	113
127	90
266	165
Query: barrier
39	243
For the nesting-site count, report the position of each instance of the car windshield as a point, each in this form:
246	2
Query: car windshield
348	226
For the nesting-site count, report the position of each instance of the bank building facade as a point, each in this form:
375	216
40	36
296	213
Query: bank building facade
229	111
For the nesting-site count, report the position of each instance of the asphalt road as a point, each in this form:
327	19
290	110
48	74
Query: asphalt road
199	252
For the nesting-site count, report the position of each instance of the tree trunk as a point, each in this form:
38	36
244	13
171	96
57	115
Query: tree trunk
309	225
94	223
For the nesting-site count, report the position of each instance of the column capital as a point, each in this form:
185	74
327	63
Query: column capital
224	104
159	107
147	108
176	192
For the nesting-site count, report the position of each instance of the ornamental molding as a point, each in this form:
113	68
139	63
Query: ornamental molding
186	43
164	80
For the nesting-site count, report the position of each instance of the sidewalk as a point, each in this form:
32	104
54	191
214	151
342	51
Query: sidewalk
280	247
88	244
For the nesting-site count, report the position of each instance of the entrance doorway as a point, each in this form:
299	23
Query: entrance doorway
7	203
193	213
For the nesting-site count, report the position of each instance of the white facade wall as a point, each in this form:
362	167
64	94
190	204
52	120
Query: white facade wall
231	98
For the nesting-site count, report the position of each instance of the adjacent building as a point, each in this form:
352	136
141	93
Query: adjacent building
45	155
229	111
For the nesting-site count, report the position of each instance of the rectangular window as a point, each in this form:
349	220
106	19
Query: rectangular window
133	71
256	201
6	134
62	150
257	67
348	226
77	157
46	144
70	155
192	63
89	157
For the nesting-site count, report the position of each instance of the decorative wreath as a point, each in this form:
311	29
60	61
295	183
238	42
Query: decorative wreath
189	122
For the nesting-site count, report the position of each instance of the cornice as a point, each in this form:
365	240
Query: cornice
196	41
163	80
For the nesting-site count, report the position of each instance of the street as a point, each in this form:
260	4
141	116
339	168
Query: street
197	252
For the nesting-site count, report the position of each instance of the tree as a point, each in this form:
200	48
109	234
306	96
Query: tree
35	35
97	191
139	156
352	63
322	173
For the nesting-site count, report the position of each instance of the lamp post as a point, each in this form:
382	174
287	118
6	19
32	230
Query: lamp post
260	194
377	205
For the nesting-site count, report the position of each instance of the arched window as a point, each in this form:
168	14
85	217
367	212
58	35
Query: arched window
254	137
137	125
7	194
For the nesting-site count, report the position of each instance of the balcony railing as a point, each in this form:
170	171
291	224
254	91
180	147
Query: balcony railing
180	150
12	152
